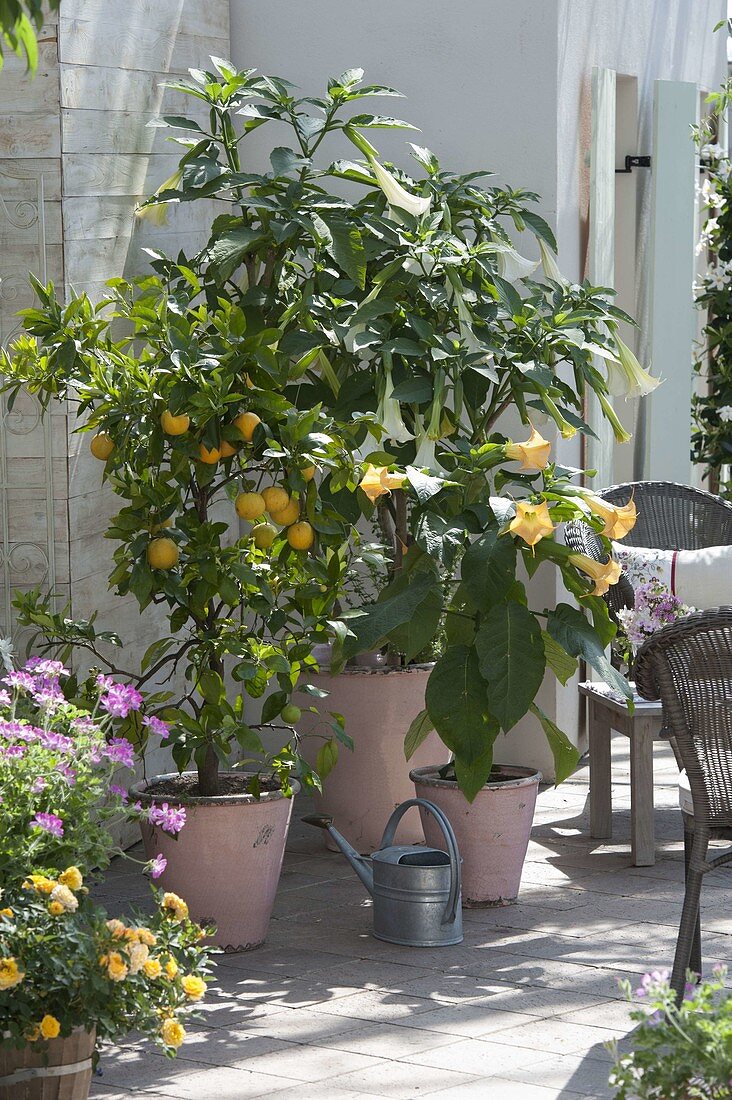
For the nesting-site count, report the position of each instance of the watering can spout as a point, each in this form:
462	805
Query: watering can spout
361	864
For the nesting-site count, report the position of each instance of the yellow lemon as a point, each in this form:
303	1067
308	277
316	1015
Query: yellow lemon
264	535
246	423
159	525
300	536
102	446
287	515
291	714
210	457
275	498
249	505
175	425
308	472
162	554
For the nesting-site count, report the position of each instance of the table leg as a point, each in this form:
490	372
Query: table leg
642	832
599	735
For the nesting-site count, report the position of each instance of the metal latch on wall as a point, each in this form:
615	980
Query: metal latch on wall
632	162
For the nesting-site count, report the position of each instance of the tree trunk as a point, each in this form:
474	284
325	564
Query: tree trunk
208	774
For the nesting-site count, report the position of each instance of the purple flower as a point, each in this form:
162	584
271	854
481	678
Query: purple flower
120	791
157	866
120	751
68	773
49	697
5	699
156	725
20	680
13	752
49	823
56	742
40	667
39	784
171	819
85	724
120	699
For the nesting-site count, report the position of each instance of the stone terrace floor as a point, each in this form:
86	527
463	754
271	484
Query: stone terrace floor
520	1010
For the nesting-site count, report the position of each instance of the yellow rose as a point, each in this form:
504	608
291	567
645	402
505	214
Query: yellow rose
6	912
176	906
56	909
193	986
172	1032
71	877
532	522
137	953
602	574
10	973
33	1034
66	897
533	454
117	928
145	936
40	883
171	967
50	1027
377	480
117	968
152	968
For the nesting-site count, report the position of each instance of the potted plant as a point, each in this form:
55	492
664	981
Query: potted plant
70	978
184	396
678	1050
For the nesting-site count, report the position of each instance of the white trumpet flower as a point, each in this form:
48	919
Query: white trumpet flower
626	377
513	266
389	414
549	265
157	213
396	195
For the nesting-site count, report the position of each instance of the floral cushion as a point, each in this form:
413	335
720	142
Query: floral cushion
700	578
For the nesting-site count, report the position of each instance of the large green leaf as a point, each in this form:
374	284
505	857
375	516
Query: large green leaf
420	628
228	251
379	619
488	568
511	658
346	248
571	630
456	703
559	661
566	756
420	728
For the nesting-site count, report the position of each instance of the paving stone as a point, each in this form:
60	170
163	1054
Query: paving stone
403	1081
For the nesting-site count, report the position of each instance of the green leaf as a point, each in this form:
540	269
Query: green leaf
559	661
566	756
211	686
416	390
346	248
327	758
228	251
456	703
488	568
371	628
421	627
273	705
423	485
540	228
571	630
511	658
421	727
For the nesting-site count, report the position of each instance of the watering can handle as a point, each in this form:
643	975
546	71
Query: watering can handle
452	849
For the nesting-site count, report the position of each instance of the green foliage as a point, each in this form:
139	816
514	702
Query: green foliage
75	969
19	22
679	1051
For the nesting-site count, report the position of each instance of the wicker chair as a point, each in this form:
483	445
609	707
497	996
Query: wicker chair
688	665
670	517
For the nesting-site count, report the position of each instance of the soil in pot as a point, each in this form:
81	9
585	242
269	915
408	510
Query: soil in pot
366	785
226	861
492	832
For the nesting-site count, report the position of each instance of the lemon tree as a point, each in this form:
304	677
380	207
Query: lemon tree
236	505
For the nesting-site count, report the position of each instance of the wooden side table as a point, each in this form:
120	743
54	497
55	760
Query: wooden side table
608	714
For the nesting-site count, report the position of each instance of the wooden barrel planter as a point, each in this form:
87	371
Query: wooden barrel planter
63	1071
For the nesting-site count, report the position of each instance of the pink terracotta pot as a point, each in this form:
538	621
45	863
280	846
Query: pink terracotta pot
378	705
492	831
226	861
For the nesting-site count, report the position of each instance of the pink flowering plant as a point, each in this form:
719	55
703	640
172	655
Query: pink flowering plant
62	770
679	1051
655	607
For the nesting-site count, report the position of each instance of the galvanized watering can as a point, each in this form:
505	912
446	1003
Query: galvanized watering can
416	890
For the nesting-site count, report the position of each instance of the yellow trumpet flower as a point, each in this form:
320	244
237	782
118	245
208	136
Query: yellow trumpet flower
532	522
603	574
618	521
377	480
533	453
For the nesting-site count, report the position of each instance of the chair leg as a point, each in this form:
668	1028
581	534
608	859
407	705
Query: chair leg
688	927
695	962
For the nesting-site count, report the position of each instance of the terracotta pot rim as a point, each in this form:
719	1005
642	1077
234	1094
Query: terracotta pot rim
140	791
379	670
523	777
